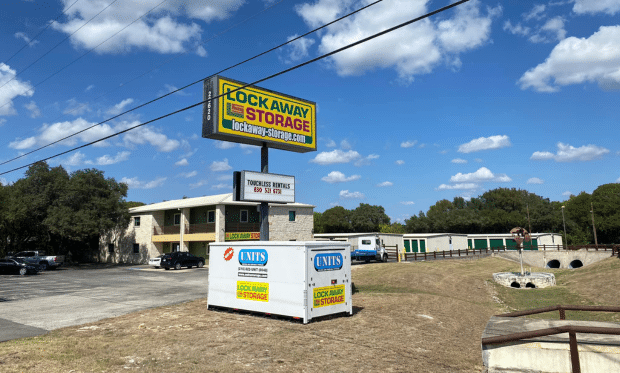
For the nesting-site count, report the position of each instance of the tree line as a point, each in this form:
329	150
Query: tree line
495	211
60	212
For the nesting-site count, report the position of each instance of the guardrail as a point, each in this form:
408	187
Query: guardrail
572	330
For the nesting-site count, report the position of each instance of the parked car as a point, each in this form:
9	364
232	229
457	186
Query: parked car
180	259
155	262
38	258
17	266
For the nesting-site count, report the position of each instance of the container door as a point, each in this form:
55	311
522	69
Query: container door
422	246
329	280
497	243
414	246
407	246
469	244
480	243
511	244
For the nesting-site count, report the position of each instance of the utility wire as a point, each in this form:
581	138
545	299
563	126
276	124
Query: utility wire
193	83
253	83
40	32
46	53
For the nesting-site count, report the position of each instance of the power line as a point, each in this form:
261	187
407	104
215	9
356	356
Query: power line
46	53
40	32
193	83
255	82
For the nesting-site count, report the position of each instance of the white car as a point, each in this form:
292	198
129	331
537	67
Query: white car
155	262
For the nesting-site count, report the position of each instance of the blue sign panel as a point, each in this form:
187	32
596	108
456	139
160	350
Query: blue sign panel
253	257
328	262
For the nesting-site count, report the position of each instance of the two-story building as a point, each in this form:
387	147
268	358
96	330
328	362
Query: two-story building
190	224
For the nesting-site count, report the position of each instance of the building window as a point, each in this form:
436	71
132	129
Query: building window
177	219
291	216
211	216
111	248
136	221
136	248
243	216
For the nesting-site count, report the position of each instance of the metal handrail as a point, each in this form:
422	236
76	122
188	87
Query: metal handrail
570	329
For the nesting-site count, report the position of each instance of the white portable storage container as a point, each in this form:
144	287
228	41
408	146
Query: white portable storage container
304	279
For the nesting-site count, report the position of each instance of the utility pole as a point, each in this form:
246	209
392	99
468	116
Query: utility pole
593	227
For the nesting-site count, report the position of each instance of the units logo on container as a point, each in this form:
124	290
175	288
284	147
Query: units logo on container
228	254
253	257
254	291
328	262
328	296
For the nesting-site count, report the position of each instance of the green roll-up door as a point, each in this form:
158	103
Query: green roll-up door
497	243
469	245
511	244
422	246
480	244
414	246
532	245
407	246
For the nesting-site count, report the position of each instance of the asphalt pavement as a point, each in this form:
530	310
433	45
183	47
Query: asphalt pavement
33	305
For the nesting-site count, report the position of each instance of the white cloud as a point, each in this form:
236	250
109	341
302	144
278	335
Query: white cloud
108	160
147	134
459	161
182	162
220	166
552	30
568	153
120	107
537	12
335	156
137	184
535	180
517	29
464	186
385	184
224	144
345	145
567	194
188	174
2	121
351	195
610	7
75	159
339	177
197	184
161	31
11	90
24	37
485	143
89	88
75	108
618	181
170	88
330	143
408	144
365	160
201	51
412	50
579	60
297	49
221	186
478	160
50	133
483	174
33	109
407	203
400	162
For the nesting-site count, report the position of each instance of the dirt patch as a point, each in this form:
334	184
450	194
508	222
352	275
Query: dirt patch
408	317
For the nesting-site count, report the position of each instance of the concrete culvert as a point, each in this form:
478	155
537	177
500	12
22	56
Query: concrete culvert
530	285
553	264
575	264
515	285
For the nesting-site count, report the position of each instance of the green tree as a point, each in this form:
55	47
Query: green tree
368	218
336	220
606	204
392	228
318	223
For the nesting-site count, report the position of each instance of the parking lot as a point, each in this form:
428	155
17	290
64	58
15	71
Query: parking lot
33	305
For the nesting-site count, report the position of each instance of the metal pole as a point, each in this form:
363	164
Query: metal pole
564	222
593	227
574	352
264	206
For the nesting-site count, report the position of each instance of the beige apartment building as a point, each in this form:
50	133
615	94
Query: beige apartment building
190	224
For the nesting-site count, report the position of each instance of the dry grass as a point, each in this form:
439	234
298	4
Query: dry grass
410	317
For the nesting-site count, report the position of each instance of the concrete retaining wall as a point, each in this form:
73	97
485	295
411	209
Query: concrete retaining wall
565	258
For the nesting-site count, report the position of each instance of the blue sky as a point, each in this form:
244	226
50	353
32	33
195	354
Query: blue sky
488	94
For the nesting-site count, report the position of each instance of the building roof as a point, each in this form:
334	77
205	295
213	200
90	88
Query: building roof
424	235
347	235
219	199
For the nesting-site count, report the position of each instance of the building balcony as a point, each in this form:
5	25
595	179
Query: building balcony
242	227
167	229
201	228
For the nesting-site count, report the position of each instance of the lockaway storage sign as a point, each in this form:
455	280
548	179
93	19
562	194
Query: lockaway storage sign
255	116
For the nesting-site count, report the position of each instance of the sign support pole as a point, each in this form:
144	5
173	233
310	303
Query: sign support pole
264	206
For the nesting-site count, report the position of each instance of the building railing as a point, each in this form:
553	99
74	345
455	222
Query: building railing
570	329
242	227
201	228
167	229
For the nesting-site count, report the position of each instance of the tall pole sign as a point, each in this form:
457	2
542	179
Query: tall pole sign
261	117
